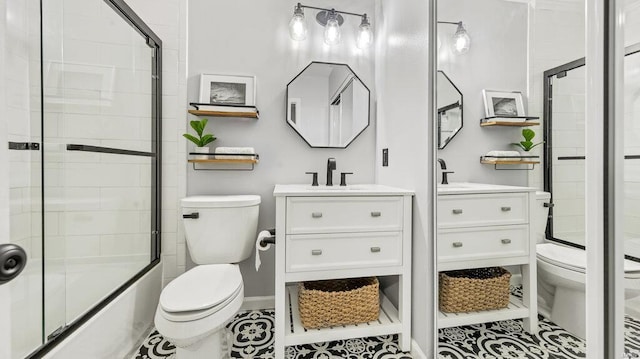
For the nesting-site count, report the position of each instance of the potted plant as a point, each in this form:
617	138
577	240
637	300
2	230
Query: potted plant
527	145
202	140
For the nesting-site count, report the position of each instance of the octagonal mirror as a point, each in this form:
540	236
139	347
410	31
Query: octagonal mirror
328	105
449	100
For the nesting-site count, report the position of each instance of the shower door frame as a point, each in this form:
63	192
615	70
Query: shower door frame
548	137
154	42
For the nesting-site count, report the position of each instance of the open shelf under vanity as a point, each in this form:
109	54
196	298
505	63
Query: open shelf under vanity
387	323
515	310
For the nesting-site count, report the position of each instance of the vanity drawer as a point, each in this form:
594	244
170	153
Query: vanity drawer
481	243
482	210
343	214
311	252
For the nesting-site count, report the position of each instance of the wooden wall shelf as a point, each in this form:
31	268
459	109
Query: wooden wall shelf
505	162
231	161
511	124
236	164
513	121
251	114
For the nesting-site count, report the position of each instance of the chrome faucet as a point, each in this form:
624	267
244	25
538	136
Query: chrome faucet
443	166
331	165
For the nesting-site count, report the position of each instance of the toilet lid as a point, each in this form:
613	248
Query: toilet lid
202	287
576	259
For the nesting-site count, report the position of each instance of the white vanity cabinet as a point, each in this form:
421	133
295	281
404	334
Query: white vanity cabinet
330	233
487	226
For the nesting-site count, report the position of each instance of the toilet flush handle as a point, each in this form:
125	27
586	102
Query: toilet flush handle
194	215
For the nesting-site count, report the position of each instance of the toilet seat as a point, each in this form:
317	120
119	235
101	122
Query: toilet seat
575	259
200	292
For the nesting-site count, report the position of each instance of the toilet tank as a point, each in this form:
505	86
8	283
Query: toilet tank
541	215
220	229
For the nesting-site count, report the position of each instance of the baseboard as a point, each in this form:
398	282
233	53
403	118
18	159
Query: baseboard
416	351
257	303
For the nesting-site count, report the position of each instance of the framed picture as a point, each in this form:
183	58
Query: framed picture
228	90
502	103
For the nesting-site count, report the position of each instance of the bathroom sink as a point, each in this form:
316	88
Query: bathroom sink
355	187
336	190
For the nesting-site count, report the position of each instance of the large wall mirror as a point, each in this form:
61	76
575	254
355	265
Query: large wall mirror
327	105
449	109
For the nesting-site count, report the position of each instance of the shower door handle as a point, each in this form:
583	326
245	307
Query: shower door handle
13	259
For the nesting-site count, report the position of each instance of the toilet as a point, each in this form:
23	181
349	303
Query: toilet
561	277
194	308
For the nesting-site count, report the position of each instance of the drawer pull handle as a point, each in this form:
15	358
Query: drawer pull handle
505	209
457	244
457	211
505	241
375	249
316	252
316	214
376	214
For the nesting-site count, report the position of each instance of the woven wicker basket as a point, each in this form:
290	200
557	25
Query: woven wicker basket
474	290
338	302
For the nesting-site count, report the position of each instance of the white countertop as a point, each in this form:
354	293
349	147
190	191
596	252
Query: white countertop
282	190
469	188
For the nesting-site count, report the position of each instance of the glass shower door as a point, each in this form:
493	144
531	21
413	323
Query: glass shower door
20	182
100	156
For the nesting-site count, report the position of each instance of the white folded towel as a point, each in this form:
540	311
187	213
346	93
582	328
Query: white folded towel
503	156
234	150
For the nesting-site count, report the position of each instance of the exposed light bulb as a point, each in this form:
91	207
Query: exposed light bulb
332	30
365	35
461	40
298	25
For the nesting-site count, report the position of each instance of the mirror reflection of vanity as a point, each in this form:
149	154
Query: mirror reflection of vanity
327	105
449	101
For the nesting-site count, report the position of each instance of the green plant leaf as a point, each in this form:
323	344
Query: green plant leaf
207	139
528	134
192	139
517	145
197	126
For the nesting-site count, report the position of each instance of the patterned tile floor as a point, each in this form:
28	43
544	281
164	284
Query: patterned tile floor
253	338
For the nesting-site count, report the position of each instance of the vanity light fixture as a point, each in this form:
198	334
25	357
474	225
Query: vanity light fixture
331	19
461	39
298	24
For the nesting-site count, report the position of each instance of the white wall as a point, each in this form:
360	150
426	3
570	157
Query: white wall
405	128
251	37
497	60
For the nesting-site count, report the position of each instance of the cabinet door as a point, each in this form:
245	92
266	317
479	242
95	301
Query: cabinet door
483	243
307	215
343	251
482	210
